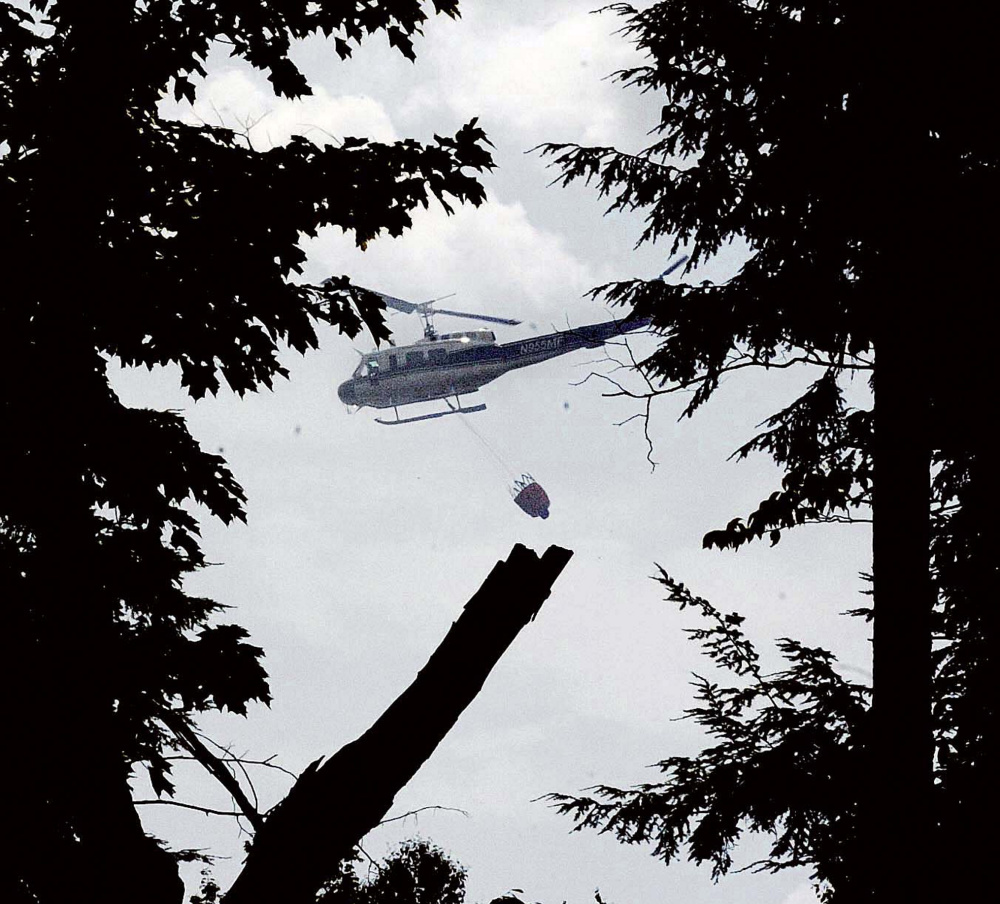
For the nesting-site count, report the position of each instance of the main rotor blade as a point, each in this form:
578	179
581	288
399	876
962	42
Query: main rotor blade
671	267
486	317
410	307
407	307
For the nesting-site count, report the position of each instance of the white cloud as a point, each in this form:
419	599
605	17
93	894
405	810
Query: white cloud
532	78
241	100
493	257
803	894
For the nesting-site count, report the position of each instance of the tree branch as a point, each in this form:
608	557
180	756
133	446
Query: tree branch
267	762
420	810
335	804
208	811
191	742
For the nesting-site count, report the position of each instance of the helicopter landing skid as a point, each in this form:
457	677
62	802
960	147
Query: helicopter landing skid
428	417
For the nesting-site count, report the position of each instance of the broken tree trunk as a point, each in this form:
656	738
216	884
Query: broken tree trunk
333	805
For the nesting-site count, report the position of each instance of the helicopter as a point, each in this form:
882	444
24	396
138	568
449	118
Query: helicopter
448	365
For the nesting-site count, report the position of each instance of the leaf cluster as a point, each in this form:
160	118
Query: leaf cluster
201	227
157	242
789	751
196	244
784	126
845	147
174	38
967	638
785	761
825	450
417	872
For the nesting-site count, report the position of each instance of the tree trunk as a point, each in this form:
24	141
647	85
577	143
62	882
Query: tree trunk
335	804
899	827
75	823
902	775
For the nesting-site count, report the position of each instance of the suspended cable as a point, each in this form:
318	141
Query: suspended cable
489	448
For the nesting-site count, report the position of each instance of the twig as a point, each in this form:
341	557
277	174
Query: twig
421	810
176	803
371	861
190	740
267	762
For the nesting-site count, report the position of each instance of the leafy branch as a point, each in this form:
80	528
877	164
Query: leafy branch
786	761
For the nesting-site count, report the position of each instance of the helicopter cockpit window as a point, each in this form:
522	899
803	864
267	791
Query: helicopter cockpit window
438	355
371	366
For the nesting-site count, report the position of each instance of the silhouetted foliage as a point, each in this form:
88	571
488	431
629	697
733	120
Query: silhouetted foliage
825	449
299	844
789	757
787	760
417	872
844	144
149	241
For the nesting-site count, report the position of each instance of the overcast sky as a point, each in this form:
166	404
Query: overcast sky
363	542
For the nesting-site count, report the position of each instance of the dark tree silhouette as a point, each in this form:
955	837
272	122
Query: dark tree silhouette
128	236
333	805
787	757
417	872
790	750
845	143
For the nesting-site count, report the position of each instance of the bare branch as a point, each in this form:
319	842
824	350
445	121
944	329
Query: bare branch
836	519
176	803
190	740
267	762
421	810
371	861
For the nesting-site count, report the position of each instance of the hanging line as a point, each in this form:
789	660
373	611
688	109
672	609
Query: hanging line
503	464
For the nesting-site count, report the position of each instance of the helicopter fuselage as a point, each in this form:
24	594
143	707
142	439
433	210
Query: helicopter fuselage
454	364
